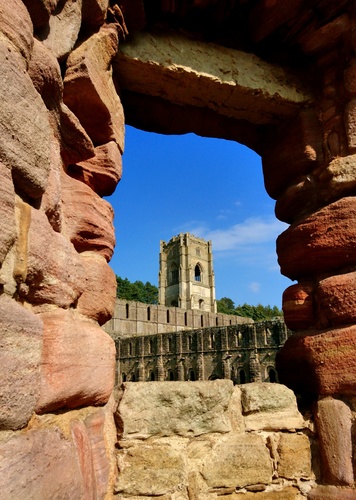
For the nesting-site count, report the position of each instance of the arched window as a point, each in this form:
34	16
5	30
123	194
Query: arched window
123	376
191	375
152	375
272	375
170	375
185	319
133	377
197	273
242	377
201	304
170	344
173	274
148	313
127	311
217	321
212	340
167	315
190	342
202	321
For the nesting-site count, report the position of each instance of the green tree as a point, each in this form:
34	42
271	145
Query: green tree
257	313
137	291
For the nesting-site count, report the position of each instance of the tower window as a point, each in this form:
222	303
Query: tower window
197	273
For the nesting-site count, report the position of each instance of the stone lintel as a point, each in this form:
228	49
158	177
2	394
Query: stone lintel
230	82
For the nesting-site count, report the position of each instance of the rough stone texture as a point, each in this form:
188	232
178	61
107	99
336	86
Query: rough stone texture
294	456
298	306
7	212
289	493
319	362
339	178
303	137
227	82
78	363
103	172
40	10
45	73
62	31
99	282
89	73
331	493
269	406
88	219
20	357
24	141
188	410
16	25
334	421
39	464
298	201
324	241
150	470
336	299
55	276
238	461
94	11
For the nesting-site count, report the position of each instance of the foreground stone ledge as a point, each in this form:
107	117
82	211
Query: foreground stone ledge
78	363
174	408
230	82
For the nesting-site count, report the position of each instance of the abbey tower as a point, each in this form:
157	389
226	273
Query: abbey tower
186	275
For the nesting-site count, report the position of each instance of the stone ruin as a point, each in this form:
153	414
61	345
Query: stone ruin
277	76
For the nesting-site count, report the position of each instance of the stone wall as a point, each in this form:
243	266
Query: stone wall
202	440
242	353
132	319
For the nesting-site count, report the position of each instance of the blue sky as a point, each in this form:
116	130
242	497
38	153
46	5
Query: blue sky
211	188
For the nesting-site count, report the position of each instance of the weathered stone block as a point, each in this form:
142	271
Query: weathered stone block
55	276
298	306
16	25
336	299
269	406
238	461
230	82
155	469
185	409
88	219
323	242
20	357
103	172
319	362
7	211
39	464
339	178
299	200
24	141
294	456
295	150
63	28
321	492
334	421
99	288
78	363
289	493
89	73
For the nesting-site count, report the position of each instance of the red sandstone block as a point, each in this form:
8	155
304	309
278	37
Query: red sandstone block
296	149
334	422
331	493
336	299
78	363
319	362
298	306
323	242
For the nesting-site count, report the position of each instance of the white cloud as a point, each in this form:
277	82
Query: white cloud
255	287
252	231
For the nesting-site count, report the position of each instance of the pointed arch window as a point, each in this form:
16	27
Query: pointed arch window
173	274
197	273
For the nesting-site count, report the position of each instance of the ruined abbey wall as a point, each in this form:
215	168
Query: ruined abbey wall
276	76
